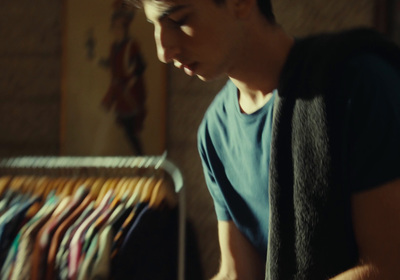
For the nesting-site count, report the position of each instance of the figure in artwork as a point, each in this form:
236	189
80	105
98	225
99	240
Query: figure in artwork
126	94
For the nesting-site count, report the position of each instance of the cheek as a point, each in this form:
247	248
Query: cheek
188	31
204	40
208	38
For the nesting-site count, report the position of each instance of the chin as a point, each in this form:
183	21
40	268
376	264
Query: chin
204	79
209	78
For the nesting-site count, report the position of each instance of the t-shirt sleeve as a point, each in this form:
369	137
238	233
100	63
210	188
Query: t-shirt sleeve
373	150
211	166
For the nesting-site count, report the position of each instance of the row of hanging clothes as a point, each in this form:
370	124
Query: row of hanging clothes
59	222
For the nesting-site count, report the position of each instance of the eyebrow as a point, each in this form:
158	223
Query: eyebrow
170	11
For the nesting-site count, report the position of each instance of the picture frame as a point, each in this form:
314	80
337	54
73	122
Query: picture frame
387	18
87	126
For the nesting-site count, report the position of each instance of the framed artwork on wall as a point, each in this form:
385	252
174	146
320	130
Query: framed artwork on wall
381	15
113	86
394	20
387	18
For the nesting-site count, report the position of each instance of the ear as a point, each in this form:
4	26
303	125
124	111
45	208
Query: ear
243	8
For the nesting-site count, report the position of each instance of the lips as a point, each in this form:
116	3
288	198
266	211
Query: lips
189	68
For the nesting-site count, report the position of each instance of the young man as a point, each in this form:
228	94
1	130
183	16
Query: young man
300	149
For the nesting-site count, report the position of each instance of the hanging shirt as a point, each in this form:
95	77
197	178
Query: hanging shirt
77	241
24	246
96	264
144	247
12	221
61	265
124	228
39	256
12	253
58	235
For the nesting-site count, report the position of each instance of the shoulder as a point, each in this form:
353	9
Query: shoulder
217	114
316	61
374	77
372	84
333	48
373	119
344	42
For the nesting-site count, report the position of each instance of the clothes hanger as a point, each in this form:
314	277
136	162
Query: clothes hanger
43	187
96	185
120	191
129	190
109	184
33	188
158	194
68	187
27	184
78	182
126	186
132	184
148	189
16	183
14	191
151	168
4	182
114	184
136	163
102	190
62	186
136	194
49	187
55	185
29	188
163	192
89	182
119	186
144	183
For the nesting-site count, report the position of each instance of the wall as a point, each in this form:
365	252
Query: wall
189	98
30	76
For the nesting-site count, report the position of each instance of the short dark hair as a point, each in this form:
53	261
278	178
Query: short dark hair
266	9
264	5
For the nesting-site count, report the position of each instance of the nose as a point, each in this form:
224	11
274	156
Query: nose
167	44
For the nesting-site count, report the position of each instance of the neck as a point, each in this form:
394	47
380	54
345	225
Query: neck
257	70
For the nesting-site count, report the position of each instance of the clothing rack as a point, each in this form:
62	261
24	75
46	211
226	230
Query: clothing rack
106	166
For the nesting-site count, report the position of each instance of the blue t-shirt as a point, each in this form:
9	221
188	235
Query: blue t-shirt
372	154
235	150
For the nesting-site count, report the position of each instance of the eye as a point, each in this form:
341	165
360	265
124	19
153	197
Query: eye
178	21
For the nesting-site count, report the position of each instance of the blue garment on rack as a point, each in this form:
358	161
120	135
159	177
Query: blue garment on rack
121	227
38	219
7	201
149	250
11	223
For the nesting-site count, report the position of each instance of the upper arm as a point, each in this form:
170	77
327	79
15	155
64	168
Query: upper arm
239	259
213	170
372	151
373	156
376	222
